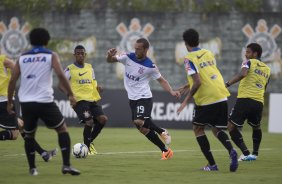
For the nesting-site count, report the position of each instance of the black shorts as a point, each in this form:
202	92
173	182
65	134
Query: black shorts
49	113
246	109
7	121
86	110
213	115
141	109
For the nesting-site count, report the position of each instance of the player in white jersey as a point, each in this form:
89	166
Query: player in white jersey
139	70
34	67
9	122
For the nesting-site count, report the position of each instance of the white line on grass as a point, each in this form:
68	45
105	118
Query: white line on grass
141	152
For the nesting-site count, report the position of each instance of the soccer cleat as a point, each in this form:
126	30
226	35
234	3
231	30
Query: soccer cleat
92	150
70	170
167	155
47	155
210	168
249	157
166	137
234	162
33	172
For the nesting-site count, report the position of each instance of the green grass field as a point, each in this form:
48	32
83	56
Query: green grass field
125	156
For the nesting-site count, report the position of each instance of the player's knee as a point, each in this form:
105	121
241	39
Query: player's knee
102	119
215	131
144	130
62	128
230	126
198	130
89	122
138	123
15	134
20	125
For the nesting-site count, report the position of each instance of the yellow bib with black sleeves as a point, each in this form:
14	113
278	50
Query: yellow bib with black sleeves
5	75
254	84
82	83
212	87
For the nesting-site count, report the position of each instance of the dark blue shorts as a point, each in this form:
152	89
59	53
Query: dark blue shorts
49	113
215	115
141	109
86	110
7	121
246	109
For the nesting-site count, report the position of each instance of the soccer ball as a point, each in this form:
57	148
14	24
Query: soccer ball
80	150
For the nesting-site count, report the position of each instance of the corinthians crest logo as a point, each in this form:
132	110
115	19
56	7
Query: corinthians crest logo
13	40
134	33
271	53
129	37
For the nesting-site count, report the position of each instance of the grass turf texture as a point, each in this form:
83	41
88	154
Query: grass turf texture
125	156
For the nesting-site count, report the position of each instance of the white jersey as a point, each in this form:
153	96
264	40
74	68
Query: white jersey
36	76
137	76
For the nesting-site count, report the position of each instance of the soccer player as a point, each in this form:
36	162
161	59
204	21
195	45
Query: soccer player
139	70
35	67
210	96
10	122
86	91
7	121
253	77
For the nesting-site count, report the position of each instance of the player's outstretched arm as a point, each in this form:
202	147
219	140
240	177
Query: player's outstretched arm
166	86
196	85
64	83
12	86
243	73
184	90
111	58
9	63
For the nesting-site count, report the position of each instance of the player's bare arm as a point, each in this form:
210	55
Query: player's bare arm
243	73
111	58
8	63
196	85
183	90
11	88
166	86
99	89
64	83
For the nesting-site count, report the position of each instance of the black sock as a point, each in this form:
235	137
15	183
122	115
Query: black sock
38	148
237	138
150	125
205	147
96	130
224	139
86	135
6	135
64	142
257	136
30	151
154	138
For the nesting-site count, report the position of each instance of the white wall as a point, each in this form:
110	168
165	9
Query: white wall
275	112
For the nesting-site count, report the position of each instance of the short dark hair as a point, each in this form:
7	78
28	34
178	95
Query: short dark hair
39	37
78	47
191	37
145	42
255	47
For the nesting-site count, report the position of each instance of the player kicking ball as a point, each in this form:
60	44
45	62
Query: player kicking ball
139	71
